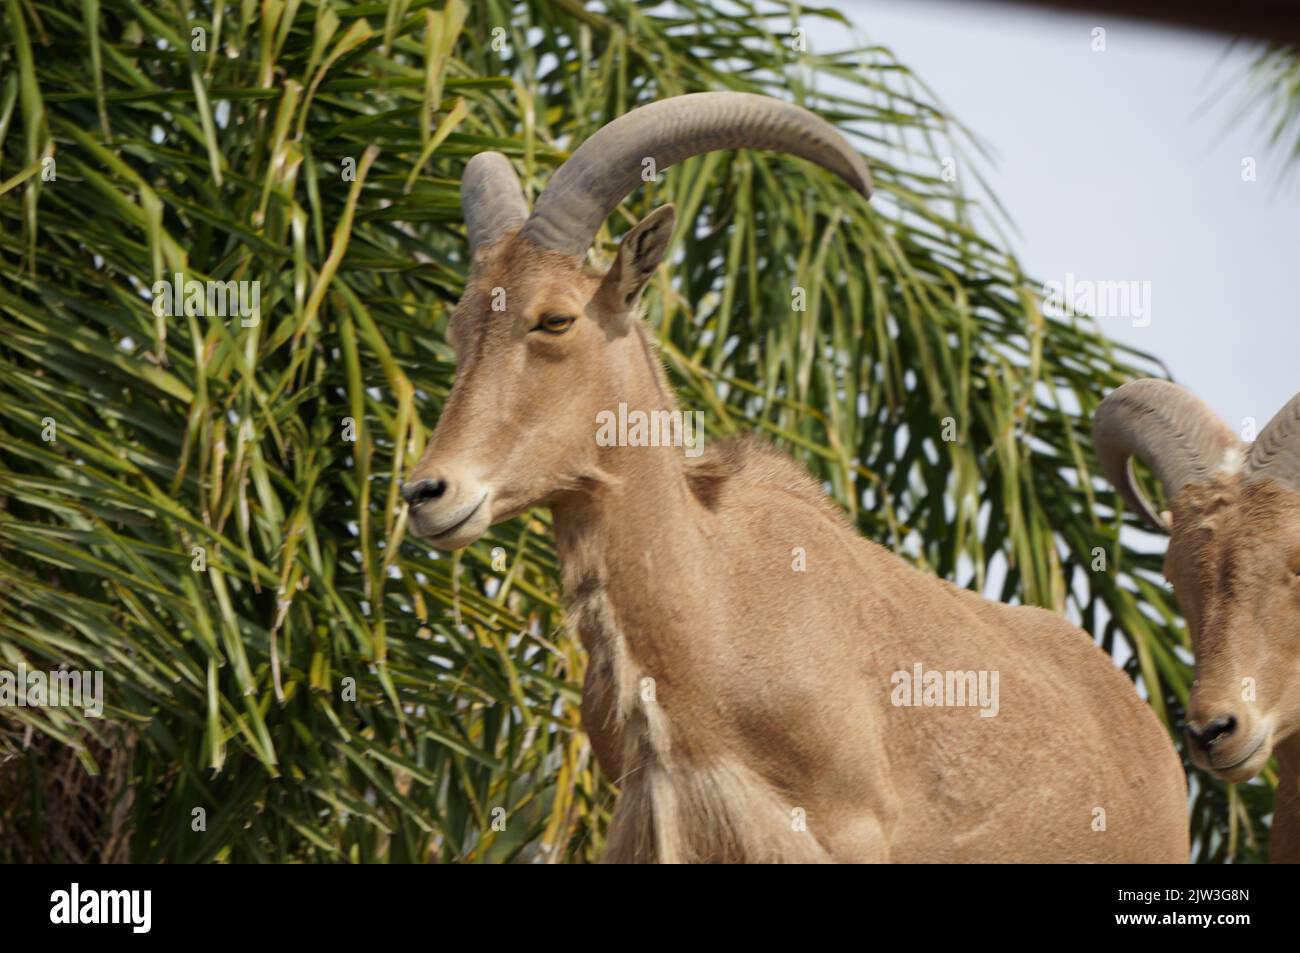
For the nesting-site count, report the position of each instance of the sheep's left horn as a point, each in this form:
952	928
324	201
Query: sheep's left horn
1276	453
491	199
1170	430
609	166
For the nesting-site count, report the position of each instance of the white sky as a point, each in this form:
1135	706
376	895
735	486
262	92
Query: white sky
1126	165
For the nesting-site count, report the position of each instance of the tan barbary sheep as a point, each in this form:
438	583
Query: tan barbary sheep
764	684
1234	561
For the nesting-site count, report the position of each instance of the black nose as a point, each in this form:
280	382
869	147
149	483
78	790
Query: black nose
1217	730
422	491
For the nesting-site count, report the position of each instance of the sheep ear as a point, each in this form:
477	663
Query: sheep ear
639	254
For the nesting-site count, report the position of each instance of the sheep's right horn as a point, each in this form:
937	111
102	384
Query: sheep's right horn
1276	453
1170	430
491	199
610	164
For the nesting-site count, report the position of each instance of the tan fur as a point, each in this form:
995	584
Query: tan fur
742	706
1234	561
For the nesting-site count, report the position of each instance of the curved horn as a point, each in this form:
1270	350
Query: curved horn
609	166
491	199
1276	453
1170	430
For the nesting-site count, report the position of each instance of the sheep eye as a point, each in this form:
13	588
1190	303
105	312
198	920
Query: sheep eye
555	323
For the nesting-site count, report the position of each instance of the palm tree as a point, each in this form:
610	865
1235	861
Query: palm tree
1274	99
205	508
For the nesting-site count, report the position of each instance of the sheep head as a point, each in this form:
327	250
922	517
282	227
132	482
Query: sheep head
1233	559
543	341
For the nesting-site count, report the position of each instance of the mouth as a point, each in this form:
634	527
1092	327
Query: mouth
454	526
1241	769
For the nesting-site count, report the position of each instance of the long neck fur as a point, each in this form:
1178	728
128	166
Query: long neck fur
630	535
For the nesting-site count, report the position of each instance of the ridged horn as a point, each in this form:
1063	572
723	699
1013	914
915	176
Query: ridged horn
491	199
609	166
1169	429
1276	453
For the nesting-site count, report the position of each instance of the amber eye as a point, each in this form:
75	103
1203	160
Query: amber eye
555	323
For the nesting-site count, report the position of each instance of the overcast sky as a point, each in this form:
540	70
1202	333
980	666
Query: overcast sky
1123	165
